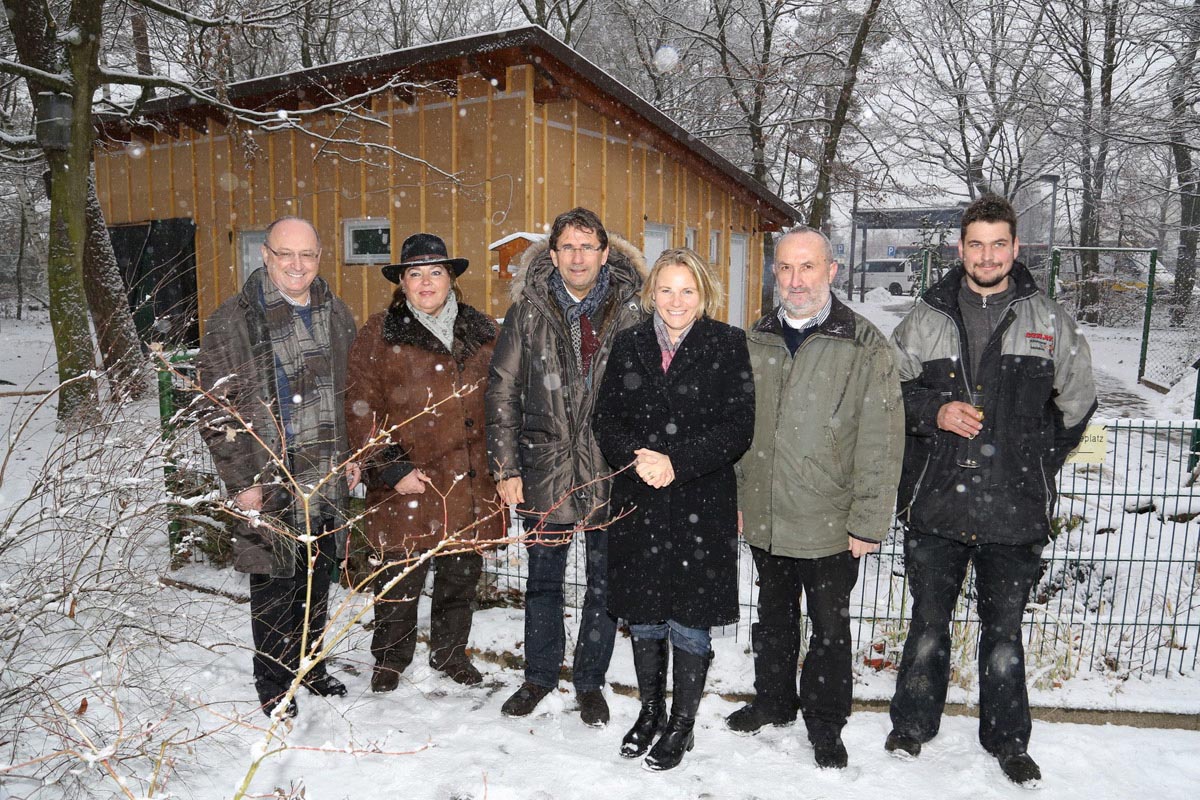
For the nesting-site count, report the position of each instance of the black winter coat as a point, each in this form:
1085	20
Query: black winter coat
1036	374
673	556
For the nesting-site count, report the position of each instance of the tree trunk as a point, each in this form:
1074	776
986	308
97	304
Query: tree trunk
1095	162
64	278
120	347
37	45
818	214
23	234
1187	171
141	45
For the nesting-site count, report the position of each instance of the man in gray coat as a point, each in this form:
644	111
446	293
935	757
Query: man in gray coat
570	299
272	365
816	489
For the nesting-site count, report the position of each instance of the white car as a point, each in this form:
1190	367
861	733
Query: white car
897	275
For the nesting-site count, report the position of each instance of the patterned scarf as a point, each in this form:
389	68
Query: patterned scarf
573	310
664	340
442	325
304	358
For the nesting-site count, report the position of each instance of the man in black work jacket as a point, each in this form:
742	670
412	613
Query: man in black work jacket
998	389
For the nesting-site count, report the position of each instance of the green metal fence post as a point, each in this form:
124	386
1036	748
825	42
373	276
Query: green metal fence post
166	411
166	402
1146	319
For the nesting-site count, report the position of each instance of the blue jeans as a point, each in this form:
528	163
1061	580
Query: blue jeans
697	641
545	628
1004	575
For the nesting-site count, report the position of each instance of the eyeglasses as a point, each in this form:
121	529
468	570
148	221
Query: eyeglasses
586	249
287	256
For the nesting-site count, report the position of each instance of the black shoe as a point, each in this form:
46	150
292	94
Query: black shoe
270	696
902	746
650	666
524	700
325	685
461	670
830	753
750	718
688	675
593	708
290	710
385	678
1021	769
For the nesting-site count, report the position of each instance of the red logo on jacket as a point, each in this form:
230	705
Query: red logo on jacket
1043	342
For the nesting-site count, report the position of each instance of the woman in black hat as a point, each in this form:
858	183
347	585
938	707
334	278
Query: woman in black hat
428	484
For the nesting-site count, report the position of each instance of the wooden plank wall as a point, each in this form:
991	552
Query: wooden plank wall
517	165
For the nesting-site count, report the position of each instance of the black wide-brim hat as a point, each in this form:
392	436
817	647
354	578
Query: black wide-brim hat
423	249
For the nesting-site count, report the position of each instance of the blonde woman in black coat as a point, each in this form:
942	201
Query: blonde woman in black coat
677	404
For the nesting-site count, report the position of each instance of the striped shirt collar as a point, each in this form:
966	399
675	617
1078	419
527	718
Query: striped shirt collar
811	322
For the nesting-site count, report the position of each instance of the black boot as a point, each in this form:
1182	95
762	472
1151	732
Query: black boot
650	665
687	687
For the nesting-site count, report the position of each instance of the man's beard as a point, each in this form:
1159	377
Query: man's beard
809	309
992	282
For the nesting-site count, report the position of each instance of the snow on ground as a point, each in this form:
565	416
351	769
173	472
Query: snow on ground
454	744
434	739
441	741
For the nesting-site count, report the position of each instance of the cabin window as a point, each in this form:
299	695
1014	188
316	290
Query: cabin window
367	241
657	238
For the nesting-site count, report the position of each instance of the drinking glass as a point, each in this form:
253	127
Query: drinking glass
969	459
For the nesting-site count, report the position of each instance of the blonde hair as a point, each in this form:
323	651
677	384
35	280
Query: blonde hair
711	293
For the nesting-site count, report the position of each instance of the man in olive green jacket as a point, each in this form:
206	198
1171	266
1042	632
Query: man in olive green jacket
816	489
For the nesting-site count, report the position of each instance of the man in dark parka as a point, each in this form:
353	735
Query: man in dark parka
998	390
570	299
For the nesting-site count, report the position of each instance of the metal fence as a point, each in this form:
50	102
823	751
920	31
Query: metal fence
1120	586
1131	290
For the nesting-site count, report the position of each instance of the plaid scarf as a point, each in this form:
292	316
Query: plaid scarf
573	310
303	356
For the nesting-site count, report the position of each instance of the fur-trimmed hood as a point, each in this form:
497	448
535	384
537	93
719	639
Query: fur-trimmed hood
625	262
472	329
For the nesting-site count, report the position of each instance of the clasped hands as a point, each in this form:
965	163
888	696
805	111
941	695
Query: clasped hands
653	467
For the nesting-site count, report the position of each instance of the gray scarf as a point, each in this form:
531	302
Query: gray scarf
573	309
441	326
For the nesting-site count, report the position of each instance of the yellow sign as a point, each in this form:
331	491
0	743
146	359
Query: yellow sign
1093	447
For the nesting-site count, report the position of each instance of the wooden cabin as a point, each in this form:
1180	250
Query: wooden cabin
474	139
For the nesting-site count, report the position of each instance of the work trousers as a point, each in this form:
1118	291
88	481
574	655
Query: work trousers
826	681
1004	575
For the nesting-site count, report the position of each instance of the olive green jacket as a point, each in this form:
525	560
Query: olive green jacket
828	438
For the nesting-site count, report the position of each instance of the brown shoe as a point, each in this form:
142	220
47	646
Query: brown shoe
461	670
524	700
385	678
